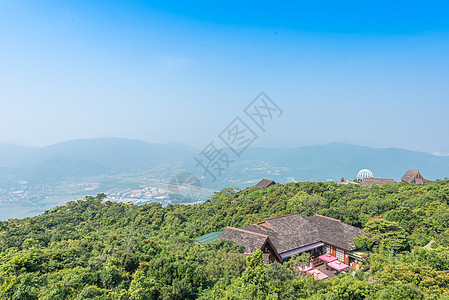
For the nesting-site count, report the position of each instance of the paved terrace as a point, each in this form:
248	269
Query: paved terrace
328	271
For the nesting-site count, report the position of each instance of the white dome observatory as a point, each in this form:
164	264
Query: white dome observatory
365	173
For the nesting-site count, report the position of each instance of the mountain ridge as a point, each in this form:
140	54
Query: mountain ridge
88	157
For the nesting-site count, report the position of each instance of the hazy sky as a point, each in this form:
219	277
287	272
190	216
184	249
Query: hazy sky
373	74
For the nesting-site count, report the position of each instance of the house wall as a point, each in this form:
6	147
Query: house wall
419	179
268	249
346	259
339	253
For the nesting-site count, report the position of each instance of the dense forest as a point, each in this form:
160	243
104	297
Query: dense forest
97	249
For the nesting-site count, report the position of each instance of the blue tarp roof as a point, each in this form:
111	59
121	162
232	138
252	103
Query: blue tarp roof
208	237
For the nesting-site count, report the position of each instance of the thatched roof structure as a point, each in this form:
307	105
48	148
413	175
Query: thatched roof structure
412	176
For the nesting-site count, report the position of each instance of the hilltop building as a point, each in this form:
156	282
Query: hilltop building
264	183
365	173
366	178
281	237
413	177
378	181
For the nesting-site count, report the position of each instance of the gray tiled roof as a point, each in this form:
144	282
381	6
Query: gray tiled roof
290	232
335	232
252	241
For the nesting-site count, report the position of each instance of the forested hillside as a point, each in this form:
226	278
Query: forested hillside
96	249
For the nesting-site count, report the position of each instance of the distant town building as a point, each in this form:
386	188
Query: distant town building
345	181
413	177
264	183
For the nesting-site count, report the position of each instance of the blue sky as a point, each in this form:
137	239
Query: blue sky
371	74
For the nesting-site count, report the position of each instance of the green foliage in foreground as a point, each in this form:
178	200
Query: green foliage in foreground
96	249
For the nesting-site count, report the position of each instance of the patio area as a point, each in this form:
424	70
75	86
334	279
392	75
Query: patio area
327	268
327	271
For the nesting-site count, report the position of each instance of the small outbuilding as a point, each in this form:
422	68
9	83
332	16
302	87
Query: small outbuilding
264	183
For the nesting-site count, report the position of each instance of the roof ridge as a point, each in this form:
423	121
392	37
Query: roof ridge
268	224
247	231
281	217
328	218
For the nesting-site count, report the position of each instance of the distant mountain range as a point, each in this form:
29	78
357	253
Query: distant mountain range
336	160
89	157
33	180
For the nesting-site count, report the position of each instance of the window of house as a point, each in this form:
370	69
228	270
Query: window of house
340	255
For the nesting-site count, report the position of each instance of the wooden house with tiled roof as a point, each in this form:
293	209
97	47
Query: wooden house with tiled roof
413	177
283	236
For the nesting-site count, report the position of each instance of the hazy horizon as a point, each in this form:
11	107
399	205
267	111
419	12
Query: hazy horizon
262	143
174	71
